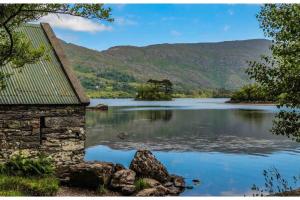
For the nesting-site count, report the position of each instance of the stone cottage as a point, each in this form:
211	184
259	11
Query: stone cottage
42	108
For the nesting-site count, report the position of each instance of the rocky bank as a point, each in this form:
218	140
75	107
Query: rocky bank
146	176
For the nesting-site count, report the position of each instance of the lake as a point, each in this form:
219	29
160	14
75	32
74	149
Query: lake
226	146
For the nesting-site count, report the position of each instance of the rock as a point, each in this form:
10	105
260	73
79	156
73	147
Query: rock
127	189
123	135
168	184
178	181
119	167
146	165
123	177
102	107
151	182
90	174
156	191
175	190
123	180
196	181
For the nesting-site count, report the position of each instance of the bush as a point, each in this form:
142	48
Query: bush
20	165
33	186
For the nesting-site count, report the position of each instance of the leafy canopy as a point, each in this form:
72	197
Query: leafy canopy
280	74
15	48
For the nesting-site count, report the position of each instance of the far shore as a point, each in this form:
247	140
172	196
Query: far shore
252	103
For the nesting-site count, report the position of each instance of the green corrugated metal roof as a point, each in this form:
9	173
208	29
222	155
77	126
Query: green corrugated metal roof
41	83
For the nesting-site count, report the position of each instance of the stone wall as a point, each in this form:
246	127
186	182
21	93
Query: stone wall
58	131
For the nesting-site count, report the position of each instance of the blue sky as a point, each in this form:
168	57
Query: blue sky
145	24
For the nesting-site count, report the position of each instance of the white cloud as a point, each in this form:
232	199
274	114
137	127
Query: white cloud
121	21
226	28
74	23
175	33
230	12
68	37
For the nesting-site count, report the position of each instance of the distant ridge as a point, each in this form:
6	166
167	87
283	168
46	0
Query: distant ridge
190	66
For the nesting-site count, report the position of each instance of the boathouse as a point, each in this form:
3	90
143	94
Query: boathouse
42	108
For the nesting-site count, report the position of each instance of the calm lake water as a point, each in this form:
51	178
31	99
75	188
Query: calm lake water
226	146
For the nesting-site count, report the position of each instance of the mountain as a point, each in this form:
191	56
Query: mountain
190	66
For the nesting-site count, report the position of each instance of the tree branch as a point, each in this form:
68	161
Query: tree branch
11	46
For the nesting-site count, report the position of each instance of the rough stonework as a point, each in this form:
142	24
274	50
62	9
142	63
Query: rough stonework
146	165
57	131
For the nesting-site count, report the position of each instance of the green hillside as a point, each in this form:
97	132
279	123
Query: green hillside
116	72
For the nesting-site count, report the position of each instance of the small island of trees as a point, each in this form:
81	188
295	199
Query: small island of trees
252	93
155	90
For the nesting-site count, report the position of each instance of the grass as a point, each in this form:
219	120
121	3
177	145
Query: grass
141	184
23	186
102	190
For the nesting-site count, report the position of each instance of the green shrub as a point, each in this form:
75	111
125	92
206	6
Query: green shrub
141	184
33	186
20	165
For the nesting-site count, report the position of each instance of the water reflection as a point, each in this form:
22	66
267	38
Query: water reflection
225	146
232	130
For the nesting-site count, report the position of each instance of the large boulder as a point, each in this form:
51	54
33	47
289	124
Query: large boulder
145	164
91	174
123	180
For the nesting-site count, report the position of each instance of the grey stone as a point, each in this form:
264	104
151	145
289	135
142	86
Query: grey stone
122	177
151	182
90	174
178	181
123	180
146	165
155	191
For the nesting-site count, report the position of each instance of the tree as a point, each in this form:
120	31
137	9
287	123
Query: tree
15	48
280	74
155	90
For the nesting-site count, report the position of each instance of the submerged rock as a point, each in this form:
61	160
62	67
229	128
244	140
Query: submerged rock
146	165
123	135
196	180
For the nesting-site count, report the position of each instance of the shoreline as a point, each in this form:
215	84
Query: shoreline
252	103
